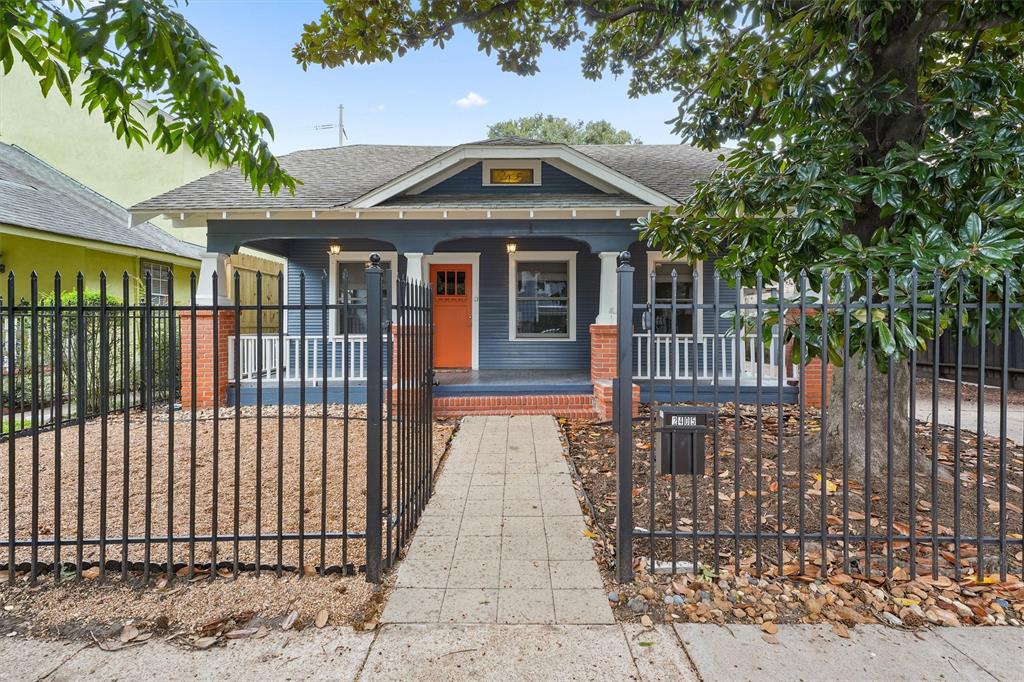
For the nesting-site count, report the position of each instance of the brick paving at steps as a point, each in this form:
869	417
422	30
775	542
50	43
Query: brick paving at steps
576	406
502	539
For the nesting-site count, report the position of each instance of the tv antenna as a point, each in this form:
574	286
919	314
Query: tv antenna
339	126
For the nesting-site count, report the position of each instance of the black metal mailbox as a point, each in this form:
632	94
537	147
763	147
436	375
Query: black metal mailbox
679	435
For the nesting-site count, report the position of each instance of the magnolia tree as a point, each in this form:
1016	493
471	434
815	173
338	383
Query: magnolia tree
151	75
867	138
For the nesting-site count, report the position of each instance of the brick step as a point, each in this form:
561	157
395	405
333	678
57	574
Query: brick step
576	406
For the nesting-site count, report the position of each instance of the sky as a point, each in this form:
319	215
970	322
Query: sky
432	96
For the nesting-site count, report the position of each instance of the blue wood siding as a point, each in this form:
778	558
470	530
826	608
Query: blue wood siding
471	181
309	257
496	350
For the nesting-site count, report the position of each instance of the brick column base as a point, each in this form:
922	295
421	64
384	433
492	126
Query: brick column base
603	351
811	383
603	342
204	369
604	400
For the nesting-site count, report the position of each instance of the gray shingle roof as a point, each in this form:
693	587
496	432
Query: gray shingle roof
336	176
35	195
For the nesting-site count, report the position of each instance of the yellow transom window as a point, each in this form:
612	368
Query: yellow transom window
511	176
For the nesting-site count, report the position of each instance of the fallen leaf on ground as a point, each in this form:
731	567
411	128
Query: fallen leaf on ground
289	621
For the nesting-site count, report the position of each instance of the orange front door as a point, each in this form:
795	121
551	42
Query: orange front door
453	315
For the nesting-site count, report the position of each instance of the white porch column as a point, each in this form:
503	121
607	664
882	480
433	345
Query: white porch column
213	262
414	266
606	307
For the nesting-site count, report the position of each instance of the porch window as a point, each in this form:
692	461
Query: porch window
351	276
160	282
684	297
543	292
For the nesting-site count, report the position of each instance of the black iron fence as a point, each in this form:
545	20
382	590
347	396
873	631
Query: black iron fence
144	436
44	335
877	468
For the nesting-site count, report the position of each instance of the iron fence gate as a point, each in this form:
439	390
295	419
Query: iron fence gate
399	489
779	496
144	435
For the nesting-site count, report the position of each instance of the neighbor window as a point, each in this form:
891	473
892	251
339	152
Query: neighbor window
683	297
160	282
543	291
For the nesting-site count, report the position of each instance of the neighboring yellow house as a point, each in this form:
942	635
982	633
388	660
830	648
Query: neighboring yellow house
82	145
51	223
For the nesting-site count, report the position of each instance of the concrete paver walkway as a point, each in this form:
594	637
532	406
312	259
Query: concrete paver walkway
502	539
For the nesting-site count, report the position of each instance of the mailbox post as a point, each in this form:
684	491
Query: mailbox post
679	439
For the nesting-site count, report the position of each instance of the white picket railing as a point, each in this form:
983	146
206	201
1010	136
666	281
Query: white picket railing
292	368
701	355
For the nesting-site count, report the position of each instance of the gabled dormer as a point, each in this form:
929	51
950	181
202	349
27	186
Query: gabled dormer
513	169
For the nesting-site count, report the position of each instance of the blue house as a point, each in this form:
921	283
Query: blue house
518	239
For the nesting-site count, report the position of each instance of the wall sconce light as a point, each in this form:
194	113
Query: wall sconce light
511	246
334	249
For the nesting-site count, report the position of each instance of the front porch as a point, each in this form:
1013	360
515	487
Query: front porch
348	383
530	328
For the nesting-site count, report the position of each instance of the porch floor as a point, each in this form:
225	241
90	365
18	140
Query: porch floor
512	382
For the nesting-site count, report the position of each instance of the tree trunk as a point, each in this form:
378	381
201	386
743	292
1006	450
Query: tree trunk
861	426
889	424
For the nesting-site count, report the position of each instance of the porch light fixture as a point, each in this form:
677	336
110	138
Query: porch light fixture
511	246
334	249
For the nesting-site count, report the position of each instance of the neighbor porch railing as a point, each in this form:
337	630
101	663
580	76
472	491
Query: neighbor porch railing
352	346
705	354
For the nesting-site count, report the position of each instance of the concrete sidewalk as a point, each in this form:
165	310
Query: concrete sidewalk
545	652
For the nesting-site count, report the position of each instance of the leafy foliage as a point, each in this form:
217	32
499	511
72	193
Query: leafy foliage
560	129
869	136
149	72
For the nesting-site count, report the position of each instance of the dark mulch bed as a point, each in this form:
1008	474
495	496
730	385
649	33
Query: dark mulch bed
748	491
744	492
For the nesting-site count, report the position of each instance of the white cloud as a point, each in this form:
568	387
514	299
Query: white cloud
377	109
470	101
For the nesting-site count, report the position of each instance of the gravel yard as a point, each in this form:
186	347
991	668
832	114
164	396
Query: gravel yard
274	489
94	609
294	474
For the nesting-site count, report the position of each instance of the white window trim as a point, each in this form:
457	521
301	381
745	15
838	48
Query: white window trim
531	164
656	257
389	257
143	262
544	256
453	258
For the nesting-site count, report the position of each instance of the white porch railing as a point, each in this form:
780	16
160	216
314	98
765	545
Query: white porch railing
316	365
701	355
